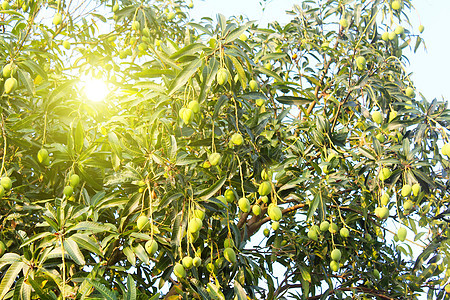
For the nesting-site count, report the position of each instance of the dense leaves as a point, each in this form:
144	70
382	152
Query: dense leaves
212	133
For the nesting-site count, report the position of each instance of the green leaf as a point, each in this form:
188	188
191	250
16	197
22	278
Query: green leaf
35	238
236	33
102	289
209	192
239	291
25	78
222	100
74	252
240	71
188	50
130	255
215	292
131	288
78	137
115	144
184	76
305	274
313	207
10	277
85	242
292	100
273	56
44	295
141	253
89	226
269	73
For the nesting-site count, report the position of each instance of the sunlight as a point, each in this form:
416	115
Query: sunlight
95	90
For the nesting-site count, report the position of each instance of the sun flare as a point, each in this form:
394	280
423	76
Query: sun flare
95	90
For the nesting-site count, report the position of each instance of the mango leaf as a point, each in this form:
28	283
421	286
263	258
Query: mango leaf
292	100
9	277
74	252
115	144
240	71
184	76
130	255
131	288
313	207
102	289
236	33
85	242
209	192
44	295
90	226
239	291
305	274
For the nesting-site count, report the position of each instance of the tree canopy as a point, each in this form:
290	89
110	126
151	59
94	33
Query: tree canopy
227	160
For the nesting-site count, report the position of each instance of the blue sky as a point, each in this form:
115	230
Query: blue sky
430	68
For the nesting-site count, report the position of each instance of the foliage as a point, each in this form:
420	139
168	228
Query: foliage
317	120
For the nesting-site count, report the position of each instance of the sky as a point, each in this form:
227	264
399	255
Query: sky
429	67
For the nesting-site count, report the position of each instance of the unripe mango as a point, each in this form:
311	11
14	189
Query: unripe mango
135	25
385	173
407	205
312	234
187	262
237	139
6	183
265	188
10	85
377	117
384	199
406	190
275	225
416	189
253	85
401	234
142	223
334	266
336	255
57	19
229	255
179	270
344	232
68	191
151	246
361	64
244	204
199	214
324	225
222	76
42	155
274	212
194	106
333	228
228	243
197	261
195	224
214	158
229	195
256	209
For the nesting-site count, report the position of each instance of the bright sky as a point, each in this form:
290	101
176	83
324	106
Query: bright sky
430	68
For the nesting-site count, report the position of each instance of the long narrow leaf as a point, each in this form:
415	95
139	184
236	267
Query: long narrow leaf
74	252
184	76
131	288
10	277
108	294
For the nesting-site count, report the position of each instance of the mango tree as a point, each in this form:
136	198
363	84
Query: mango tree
226	161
